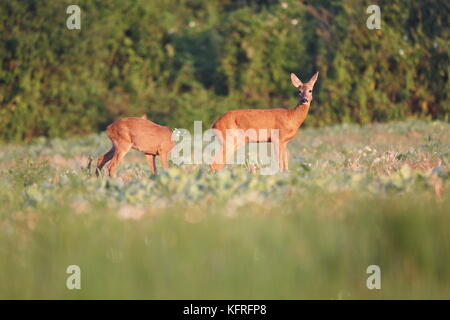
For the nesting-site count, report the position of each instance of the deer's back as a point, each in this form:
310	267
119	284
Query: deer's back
252	119
144	135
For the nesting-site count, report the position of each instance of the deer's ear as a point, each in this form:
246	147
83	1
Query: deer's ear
313	80
295	81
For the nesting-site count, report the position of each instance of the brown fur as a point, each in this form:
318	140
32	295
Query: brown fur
140	134
287	121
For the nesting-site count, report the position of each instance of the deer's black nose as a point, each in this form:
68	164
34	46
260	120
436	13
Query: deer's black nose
303	100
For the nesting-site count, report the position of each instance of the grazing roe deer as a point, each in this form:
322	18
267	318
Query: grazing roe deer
287	121
140	134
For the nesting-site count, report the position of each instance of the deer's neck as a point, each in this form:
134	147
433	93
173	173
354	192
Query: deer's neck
299	113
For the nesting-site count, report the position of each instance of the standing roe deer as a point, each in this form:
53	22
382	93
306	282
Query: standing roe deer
287	121
140	134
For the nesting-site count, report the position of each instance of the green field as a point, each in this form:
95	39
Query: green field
355	196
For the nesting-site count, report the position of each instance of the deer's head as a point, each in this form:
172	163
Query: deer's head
304	89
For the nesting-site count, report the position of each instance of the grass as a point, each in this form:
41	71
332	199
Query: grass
355	196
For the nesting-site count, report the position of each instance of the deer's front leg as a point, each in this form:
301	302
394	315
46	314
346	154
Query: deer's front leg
121	151
102	160
285	157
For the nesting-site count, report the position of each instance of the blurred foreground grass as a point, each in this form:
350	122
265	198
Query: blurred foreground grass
355	196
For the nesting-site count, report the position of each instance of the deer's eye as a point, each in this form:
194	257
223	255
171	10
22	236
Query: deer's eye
310	91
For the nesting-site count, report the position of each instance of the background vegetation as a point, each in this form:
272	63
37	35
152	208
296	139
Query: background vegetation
182	60
361	189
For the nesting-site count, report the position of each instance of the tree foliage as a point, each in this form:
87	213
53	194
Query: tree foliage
185	60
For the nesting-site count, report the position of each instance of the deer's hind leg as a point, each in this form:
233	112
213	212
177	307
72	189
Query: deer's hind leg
164	158
121	151
102	160
164	152
151	163
229	145
219	159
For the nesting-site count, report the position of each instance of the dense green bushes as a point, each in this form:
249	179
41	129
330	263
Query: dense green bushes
182	60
